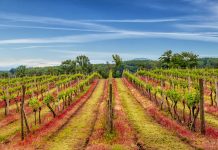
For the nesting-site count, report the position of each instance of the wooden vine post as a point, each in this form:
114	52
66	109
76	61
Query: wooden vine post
7	102
109	105
23	115
189	84
216	84
110	109
202	118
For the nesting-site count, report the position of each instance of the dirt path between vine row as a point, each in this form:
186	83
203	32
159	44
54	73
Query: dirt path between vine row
123	136
75	133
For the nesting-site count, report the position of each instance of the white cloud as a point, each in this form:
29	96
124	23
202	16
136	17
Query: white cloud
66	39
54	21
137	20
108	32
122	34
42	46
198	26
52	28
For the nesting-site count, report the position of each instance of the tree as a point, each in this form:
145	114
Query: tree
83	64
118	65
178	60
166	58
68	66
4	74
21	71
108	65
190	60
12	70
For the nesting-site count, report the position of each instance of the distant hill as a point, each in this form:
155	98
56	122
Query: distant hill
140	59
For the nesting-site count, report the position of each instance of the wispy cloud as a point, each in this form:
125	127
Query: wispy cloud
122	34
52	28
205	22
197	26
43	46
67	39
53	21
136	20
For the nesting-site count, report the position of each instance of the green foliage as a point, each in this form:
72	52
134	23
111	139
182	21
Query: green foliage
1	92
117	71
29	92
148	87
213	88
61	95
208	63
166	59
48	99
68	66
4	97
34	103
21	71
102	69
192	99
4	74
83	64
174	95
184	85
110	74
178	60
160	91
80	85
12	96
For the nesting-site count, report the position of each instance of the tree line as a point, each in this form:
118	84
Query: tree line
82	64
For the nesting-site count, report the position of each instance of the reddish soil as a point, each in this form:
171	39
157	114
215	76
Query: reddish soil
13	116
211	109
126	136
96	138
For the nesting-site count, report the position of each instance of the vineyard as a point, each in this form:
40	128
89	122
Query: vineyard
155	109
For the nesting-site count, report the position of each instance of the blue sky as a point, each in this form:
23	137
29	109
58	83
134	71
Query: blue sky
46	32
